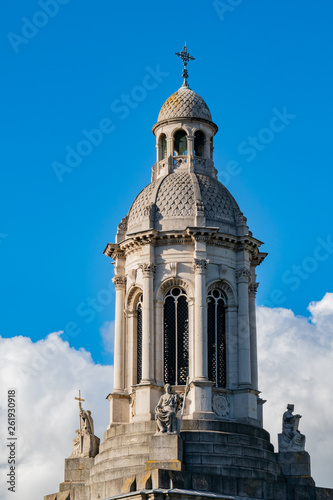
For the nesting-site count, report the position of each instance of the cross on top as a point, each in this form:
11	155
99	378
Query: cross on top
185	57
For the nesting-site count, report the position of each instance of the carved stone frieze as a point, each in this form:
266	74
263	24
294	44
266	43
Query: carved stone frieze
221	404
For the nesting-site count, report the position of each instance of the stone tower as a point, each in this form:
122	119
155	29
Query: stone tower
185	279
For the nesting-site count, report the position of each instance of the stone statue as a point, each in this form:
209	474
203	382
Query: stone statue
291	439
166	411
85	443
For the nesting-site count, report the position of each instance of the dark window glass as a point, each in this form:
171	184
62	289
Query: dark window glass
175	337
216	338
199	143
180	143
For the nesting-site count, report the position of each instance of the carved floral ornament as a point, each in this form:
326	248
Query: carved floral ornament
253	289
119	282
200	265
243	275
147	268
221	404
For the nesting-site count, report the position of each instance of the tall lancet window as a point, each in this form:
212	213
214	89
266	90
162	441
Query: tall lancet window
175	337
139	339
216	338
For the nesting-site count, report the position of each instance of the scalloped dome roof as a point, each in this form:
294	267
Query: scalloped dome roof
184	104
172	203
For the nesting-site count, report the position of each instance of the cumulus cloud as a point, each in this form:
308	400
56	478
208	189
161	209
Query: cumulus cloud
295	366
46	376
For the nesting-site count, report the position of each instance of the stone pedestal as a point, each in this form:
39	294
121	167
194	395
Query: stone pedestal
295	464
286	445
165	452
119	408
199	400
146	399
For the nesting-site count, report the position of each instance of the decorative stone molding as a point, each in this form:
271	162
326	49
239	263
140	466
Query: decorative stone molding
221	404
200	208
200	265
173	268
132	274
148	269
223	270
253	289
243	275
149	210
119	282
123	224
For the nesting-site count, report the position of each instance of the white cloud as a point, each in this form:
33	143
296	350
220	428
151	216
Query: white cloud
47	375
107	333
295	366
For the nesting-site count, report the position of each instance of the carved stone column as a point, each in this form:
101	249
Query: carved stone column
148	270
119	341
200	327
253	334
244	353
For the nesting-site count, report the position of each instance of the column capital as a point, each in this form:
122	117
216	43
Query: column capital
119	282
148	269
243	275
200	265
253	289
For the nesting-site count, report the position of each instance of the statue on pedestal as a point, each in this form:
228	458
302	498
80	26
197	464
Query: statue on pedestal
166	411
85	443
291	439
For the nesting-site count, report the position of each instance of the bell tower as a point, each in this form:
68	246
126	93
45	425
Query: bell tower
185	281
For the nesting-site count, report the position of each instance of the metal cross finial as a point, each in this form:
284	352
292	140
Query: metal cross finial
80	400
185	57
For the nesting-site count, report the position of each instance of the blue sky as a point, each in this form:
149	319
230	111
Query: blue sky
254	62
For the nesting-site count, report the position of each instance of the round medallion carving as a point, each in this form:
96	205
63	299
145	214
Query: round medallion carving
221	405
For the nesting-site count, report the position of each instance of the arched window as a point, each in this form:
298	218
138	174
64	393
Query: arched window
139	339
162	146
180	143
199	143
175	337
216	338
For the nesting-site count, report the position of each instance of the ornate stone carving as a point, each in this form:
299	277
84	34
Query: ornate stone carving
200	265
221	404
243	275
173	268
149	210
133	405
223	270
132	274
119	282
253	289
291	439
147	268
166	411
123	224
200	208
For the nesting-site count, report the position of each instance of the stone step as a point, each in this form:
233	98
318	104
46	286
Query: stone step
124	462
227	449
124	440
119	472
235	471
225	426
225	460
132	428
122	451
200	437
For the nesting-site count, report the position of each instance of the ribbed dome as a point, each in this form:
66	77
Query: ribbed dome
184	104
173	201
